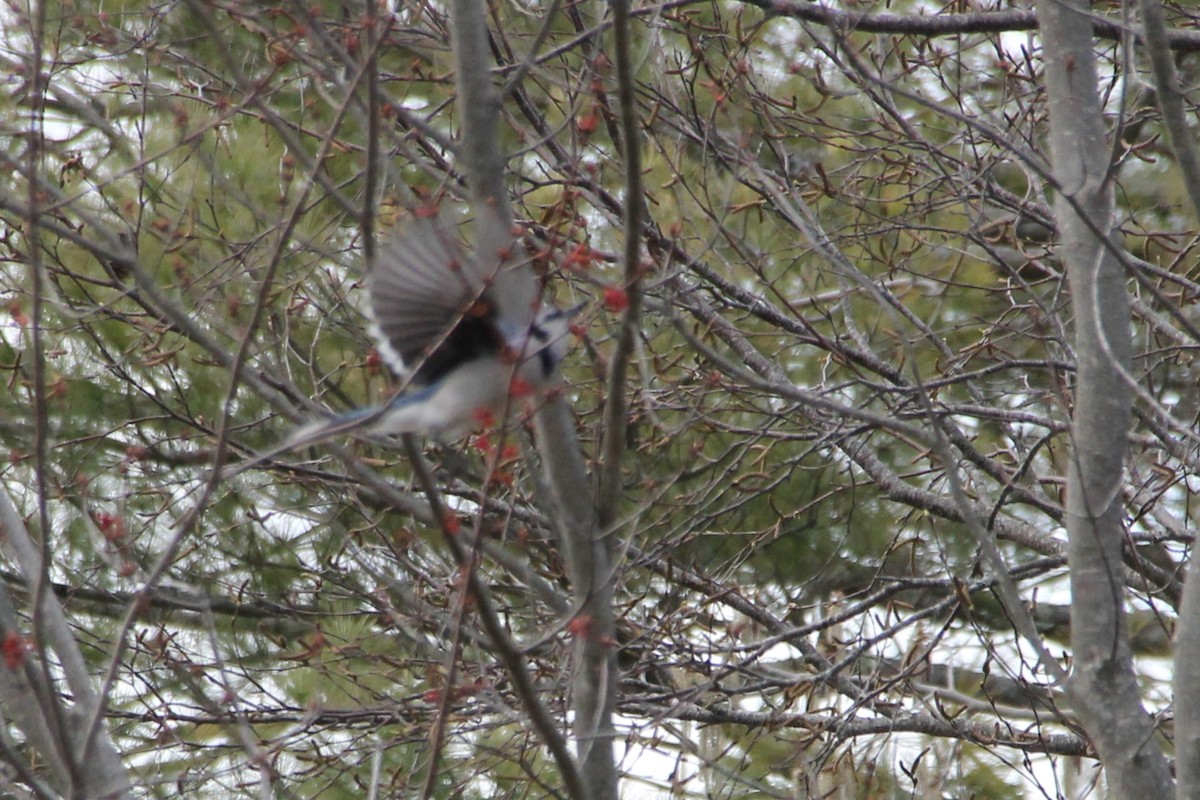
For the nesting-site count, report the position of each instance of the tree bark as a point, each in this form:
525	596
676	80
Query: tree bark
82	762
1103	687
594	683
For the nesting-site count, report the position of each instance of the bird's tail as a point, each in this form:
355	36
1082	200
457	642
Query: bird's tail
307	435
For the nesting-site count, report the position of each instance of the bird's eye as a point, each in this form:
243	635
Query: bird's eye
539	333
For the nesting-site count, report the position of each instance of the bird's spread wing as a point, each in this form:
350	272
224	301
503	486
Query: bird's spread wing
433	308
429	309
512	285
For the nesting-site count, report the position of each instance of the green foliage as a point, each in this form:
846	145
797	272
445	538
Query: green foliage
839	259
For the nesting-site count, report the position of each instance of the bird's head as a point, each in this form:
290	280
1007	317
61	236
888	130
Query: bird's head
548	336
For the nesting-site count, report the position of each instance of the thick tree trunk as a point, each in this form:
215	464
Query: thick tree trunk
1103	688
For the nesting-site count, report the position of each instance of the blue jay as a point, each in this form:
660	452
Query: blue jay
466	336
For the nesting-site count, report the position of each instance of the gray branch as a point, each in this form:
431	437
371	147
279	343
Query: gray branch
595	676
1103	688
78	767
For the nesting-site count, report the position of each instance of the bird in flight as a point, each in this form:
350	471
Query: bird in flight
466	336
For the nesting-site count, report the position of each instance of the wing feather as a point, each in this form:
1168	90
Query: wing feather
430	306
